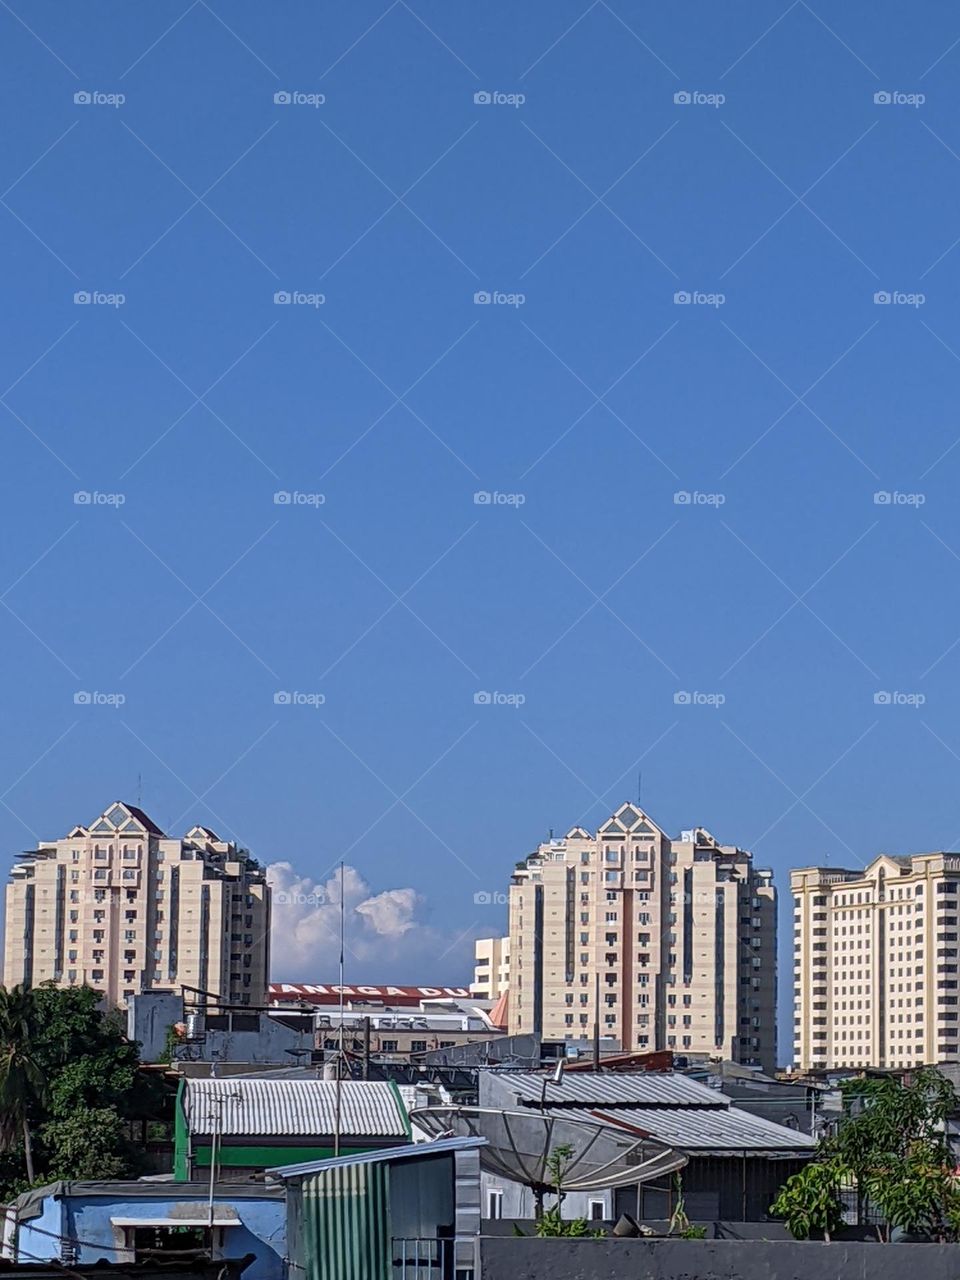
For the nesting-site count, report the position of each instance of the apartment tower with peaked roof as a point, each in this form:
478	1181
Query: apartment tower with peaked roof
120	906
669	943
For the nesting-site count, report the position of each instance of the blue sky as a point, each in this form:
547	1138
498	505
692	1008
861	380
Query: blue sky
784	597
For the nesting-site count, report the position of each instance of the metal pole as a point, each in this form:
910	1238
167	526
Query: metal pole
339	1087
217	1122
366	1048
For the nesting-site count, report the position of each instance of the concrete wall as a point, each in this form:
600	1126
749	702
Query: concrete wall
150	1015
531	1259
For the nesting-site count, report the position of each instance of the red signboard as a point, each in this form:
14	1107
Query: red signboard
314	993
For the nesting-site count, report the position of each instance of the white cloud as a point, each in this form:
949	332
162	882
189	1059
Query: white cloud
388	939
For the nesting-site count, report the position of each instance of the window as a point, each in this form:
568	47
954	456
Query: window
389	1046
494	1203
597	1210
418	1046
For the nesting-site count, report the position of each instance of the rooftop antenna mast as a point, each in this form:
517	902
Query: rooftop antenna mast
139	790
340	1058
639	785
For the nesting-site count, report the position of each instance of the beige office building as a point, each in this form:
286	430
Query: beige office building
491	969
681	934
875	963
124	908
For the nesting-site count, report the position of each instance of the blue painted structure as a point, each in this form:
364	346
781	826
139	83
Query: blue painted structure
83	1222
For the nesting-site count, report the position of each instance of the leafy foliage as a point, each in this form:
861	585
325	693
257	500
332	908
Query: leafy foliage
892	1148
88	1144
23	1081
69	1084
810	1200
552	1222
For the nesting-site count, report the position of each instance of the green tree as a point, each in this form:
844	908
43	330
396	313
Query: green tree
810	1200
70	1086
84	1052
892	1149
89	1144
23	1081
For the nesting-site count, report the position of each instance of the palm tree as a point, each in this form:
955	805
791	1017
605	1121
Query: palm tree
22	1081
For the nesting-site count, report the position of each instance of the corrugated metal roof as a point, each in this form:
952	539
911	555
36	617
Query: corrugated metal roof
618	1088
706	1130
293	1108
415	1150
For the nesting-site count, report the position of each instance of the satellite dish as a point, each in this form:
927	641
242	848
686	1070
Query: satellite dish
519	1144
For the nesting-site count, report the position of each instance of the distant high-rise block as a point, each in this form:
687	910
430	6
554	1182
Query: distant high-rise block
124	908
875	963
682	935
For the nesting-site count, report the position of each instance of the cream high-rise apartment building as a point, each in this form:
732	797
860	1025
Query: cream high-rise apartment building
681	935
124	908
491	970
875	963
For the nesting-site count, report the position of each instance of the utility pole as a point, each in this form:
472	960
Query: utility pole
215	1141
339	1085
